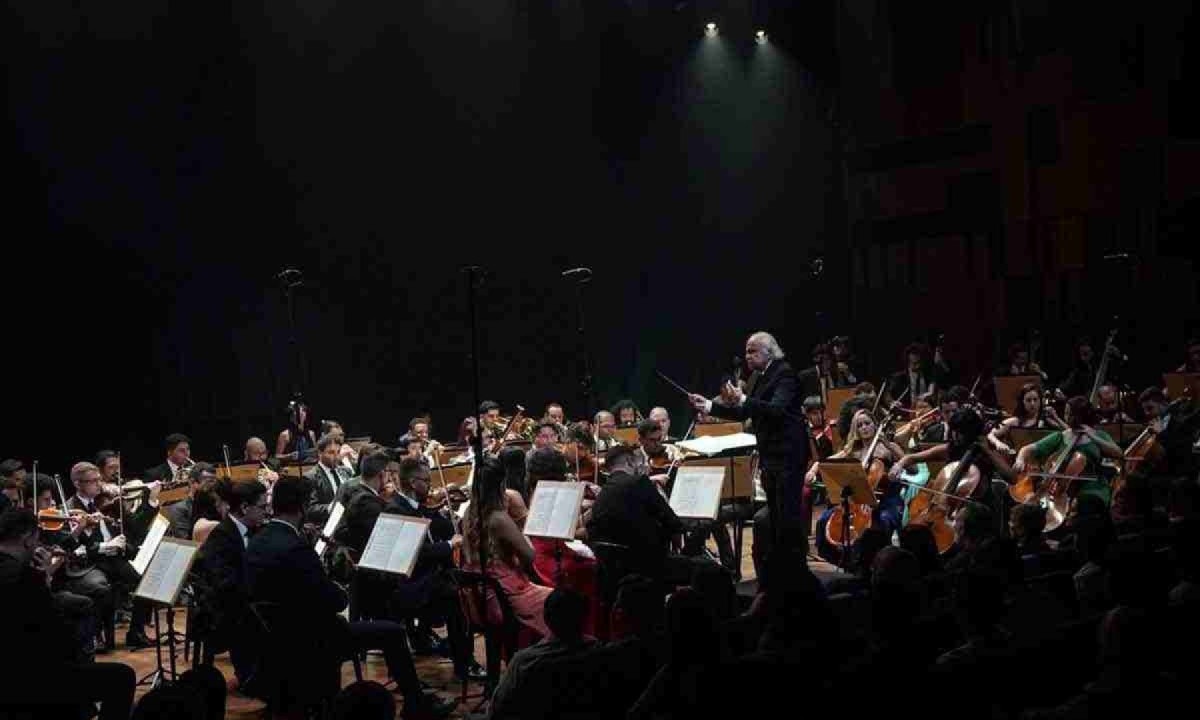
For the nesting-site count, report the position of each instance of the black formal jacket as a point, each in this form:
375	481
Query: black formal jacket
224	594
776	411
631	512
320	495
359	520
282	568
160	472
434	555
35	635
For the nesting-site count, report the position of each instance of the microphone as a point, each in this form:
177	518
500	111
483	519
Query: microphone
1117	256
584	274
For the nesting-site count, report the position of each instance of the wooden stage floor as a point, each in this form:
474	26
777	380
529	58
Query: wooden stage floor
434	671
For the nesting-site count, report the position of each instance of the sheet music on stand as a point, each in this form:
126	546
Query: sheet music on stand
554	510
158	530
167	571
394	544
697	491
717	444
331	524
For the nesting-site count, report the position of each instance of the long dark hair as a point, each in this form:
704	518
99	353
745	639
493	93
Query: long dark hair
1019	410
487	496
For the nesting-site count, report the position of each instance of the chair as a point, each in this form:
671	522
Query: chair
285	668
614	562
474	590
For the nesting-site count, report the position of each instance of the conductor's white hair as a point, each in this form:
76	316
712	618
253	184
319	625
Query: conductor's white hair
768	340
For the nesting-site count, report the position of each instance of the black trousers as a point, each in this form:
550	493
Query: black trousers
110	684
433	598
105	583
389	637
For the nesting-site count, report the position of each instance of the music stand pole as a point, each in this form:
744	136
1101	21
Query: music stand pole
585	382
846	520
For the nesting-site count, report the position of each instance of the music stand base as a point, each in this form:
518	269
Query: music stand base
161	675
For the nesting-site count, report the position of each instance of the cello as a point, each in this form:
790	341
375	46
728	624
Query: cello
1051	489
836	531
935	505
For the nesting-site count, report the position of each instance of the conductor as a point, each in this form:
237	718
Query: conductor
775	409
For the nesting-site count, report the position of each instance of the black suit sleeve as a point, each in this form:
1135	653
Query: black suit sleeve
320	497
777	405
360	521
326	595
658	507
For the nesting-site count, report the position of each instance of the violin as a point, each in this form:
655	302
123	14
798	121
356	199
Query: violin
53	520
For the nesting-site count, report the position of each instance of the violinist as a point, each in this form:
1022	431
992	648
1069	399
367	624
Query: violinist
605	424
948	403
430	594
12	476
1094	444
888	514
40	645
103	571
663	418
181	513
819	429
222	562
1108	405
656	456
1029	411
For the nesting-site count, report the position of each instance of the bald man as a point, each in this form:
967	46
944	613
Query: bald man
605	424
256	452
663	418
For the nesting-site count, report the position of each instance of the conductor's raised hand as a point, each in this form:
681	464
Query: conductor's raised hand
698	402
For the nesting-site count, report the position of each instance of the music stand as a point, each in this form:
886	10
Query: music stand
835	399
1180	384
846	480
160	584
1027	436
1007	387
716	429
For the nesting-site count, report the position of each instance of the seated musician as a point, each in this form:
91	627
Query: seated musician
181	513
633	513
349	455
545	435
297	441
102	571
887	515
663	418
626	412
1019	364
1192	364
919	376
605	424
418	432
864	396
222	564
12	476
487	527
1108	405
78	609
825	373
256	452
555	414
966	432
140	508
1086	364
40	644
324	480
1176	426
1027	412
1094	444
282	569
578	571
430	594
178	460
948	403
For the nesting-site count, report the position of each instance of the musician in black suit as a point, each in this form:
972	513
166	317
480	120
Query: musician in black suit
775	409
222	564
179	459
282	569
99	567
920	377
324	480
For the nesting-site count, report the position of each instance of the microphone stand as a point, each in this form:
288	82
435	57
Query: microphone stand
291	278
585	382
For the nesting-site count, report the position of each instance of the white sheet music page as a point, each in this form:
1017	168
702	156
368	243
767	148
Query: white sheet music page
697	491
331	524
158	529
394	544
716	444
167	570
554	510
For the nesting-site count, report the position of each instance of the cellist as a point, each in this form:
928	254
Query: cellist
1094	444
887	515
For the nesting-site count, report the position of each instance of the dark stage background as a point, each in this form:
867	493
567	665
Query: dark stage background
166	160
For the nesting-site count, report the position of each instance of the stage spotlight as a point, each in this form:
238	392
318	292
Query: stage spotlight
710	29
760	36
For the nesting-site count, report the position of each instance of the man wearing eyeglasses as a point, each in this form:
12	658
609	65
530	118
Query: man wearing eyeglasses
223	566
